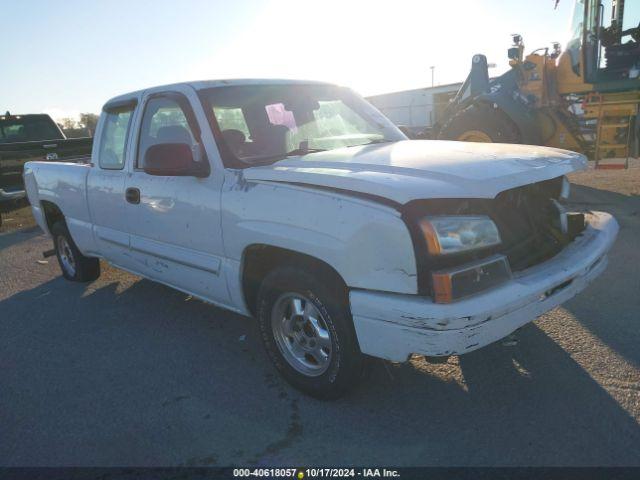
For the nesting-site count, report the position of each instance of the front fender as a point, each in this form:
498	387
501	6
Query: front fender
368	244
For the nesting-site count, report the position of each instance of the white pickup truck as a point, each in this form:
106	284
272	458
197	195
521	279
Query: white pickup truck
300	204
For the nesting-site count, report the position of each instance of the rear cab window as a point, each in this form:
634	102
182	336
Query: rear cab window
113	140
28	128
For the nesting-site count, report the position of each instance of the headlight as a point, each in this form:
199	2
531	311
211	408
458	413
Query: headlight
455	234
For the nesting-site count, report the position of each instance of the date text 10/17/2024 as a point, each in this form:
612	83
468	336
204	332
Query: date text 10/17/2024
303	473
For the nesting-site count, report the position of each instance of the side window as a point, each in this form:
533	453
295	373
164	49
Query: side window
113	140
164	121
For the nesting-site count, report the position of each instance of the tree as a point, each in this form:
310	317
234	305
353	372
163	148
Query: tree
89	121
68	123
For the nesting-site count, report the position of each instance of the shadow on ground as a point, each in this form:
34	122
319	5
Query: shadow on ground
9	239
102	375
610	308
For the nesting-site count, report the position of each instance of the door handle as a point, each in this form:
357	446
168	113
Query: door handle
132	195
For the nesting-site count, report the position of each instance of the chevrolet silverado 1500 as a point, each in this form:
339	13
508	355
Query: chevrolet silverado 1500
300	204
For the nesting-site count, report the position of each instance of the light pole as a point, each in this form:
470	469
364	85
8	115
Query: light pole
433	68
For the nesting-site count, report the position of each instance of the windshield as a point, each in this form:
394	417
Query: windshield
575	37
610	42
257	124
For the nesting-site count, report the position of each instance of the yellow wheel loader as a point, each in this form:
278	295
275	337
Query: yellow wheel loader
584	98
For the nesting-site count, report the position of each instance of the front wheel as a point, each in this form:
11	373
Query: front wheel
307	330
74	265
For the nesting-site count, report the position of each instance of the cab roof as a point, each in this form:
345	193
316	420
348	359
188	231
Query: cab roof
204	84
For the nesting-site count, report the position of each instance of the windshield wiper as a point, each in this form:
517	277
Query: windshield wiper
372	142
304	151
293	153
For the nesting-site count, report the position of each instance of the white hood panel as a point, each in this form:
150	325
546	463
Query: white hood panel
422	169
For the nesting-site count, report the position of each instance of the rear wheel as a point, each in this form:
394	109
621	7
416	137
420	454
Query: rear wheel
307	330
75	266
480	123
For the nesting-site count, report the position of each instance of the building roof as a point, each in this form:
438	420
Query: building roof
435	89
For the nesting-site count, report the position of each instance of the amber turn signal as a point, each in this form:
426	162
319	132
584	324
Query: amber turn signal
469	279
433	245
442	288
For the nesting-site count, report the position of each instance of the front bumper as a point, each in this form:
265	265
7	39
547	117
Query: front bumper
395	326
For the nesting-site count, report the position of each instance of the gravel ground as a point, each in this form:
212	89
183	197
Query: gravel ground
124	371
16	215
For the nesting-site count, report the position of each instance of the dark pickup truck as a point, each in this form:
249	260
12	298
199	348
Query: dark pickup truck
24	138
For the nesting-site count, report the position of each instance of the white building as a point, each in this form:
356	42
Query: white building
417	108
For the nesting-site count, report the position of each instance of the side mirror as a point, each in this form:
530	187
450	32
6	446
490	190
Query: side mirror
174	160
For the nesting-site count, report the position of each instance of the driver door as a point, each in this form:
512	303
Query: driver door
174	221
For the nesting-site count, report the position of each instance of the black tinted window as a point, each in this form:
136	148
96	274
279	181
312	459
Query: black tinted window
29	128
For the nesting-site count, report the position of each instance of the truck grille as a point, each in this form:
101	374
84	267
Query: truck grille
529	224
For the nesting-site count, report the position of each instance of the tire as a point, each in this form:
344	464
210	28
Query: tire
320	356
480	123
75	266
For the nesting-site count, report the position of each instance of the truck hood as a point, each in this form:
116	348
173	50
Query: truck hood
420	169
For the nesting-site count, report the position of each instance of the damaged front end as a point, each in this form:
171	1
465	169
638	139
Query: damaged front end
520	228
395	326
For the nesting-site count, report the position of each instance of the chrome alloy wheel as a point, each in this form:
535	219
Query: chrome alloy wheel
301	333
66	256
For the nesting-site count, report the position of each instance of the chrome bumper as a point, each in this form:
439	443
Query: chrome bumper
13	195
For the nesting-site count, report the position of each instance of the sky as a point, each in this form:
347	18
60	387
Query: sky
64	57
